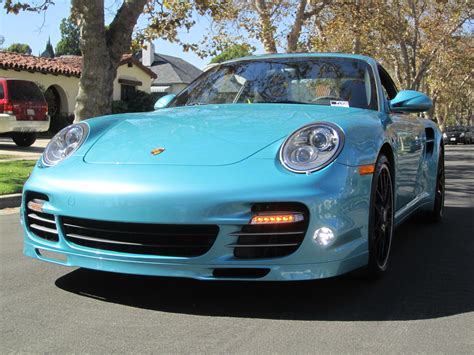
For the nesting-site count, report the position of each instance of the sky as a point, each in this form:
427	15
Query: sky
34	29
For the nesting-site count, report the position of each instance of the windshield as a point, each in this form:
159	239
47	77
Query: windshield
455	128
318	81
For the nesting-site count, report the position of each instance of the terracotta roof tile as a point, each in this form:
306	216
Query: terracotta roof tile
58	66
70	65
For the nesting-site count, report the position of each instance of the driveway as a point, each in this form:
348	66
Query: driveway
8	148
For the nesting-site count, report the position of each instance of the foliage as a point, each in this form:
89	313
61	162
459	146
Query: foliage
70	37
232	52
13	175
19	48
140	101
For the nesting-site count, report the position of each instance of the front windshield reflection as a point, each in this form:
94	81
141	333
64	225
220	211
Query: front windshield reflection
328	81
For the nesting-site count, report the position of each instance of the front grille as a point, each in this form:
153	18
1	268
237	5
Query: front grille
138	238
271	240
40	224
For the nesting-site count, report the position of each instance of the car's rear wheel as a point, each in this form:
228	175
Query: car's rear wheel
24	139
436	214
381	218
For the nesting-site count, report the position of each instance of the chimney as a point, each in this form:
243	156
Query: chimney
148	54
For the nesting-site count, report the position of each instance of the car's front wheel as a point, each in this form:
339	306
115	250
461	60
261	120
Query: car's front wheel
24	139
381	216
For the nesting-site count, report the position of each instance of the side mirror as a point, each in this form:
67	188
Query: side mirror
410	101
164	101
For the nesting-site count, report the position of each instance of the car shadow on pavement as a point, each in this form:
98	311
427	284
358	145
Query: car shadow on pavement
431	275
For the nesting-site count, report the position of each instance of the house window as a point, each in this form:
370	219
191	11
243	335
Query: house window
127	91
128	87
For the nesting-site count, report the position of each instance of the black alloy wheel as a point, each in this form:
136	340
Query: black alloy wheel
381	217
436	214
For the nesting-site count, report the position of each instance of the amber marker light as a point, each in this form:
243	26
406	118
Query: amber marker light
275	218
366	169
36	205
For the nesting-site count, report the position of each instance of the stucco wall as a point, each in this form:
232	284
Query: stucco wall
69	86
131	73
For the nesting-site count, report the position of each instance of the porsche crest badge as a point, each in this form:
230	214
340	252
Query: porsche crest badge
157	151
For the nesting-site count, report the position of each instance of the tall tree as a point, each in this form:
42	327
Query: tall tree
70	37
423	43
277	25
19	48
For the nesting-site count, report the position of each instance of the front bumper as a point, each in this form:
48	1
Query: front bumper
454	140
9	123
336	197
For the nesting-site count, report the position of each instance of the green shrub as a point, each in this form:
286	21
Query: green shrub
59	121
140	101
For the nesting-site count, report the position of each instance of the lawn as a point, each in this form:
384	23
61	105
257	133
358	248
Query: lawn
13	175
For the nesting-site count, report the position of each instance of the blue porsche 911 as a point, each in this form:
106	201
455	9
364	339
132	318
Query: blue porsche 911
274	167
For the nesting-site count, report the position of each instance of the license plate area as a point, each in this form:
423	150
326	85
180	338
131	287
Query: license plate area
30	112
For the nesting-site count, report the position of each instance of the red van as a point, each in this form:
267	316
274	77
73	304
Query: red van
23	111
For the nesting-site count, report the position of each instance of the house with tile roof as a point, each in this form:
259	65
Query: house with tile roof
59	77
173	74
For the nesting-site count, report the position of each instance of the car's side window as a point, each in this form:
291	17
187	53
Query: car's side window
388	86
2	94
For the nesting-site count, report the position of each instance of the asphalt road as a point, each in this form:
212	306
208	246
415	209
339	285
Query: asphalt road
425	304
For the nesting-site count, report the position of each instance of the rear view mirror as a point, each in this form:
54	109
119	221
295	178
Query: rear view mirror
410	101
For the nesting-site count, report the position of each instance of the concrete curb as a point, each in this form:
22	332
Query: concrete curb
10	201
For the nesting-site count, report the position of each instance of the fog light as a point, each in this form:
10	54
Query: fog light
323	236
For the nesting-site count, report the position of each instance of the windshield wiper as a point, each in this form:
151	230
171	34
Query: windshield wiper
196	104
289	102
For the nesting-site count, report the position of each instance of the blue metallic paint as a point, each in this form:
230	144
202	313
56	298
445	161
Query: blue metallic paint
219	161
410	101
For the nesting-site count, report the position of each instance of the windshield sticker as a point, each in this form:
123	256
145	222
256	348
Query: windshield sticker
339	103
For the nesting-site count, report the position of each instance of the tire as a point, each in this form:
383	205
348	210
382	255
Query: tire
24	139
436	214
381	219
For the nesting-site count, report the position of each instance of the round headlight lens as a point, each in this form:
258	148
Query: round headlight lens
311	147
65	143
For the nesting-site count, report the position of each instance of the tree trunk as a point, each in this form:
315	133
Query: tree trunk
267	29
294	35
102	50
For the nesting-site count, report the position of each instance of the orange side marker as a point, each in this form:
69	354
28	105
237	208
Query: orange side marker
366	169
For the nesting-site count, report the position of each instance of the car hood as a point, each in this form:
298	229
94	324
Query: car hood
209	135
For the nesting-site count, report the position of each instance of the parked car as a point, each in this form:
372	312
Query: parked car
458	134
23	111
277	167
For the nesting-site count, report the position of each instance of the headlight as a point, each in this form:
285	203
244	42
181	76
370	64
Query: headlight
312	147
461	135
445	135
65	143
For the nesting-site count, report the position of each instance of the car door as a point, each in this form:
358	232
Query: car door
408	139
